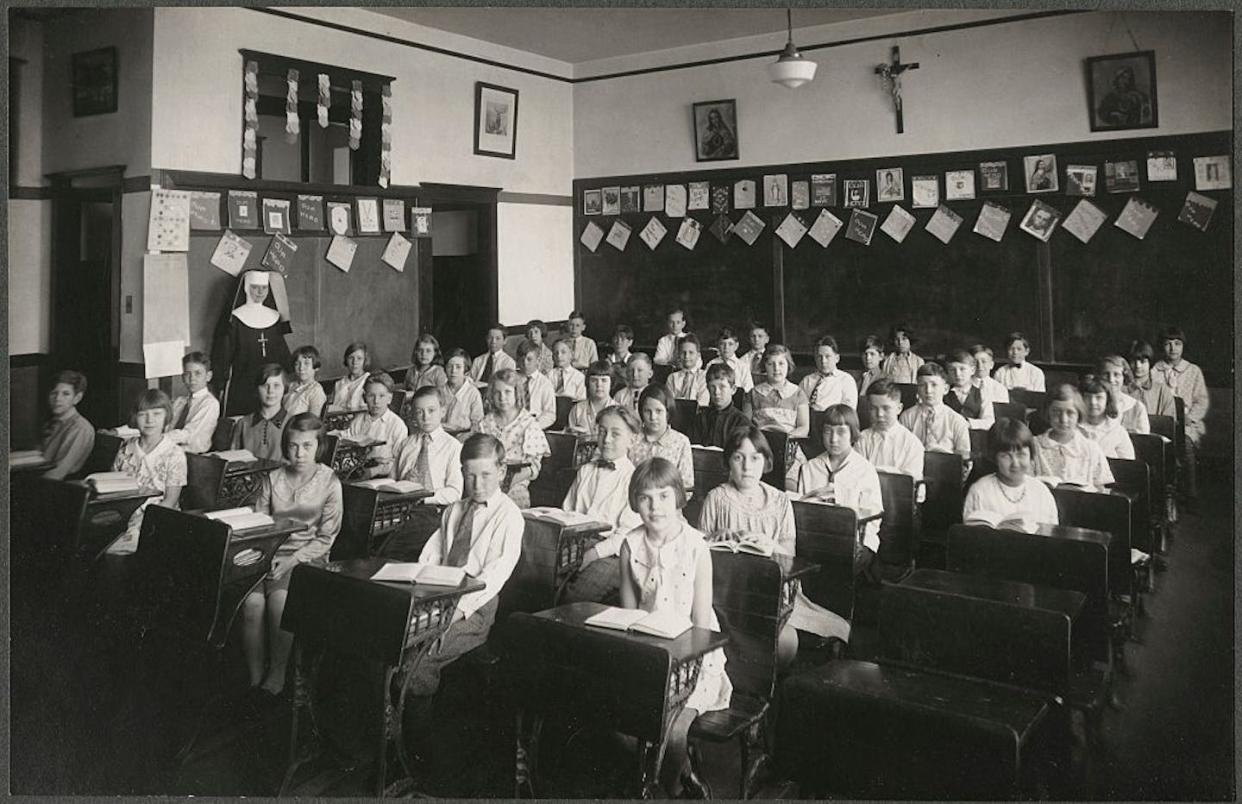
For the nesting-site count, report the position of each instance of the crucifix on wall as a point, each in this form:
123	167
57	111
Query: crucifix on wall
890	73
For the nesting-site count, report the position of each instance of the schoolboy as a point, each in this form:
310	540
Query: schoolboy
430	456
584	349
494	359
827	386
68	437
726	345
379	423
1019	373
195	415
691	381
566	380
933	423
964	396
713	423
638	373
666	348
887	443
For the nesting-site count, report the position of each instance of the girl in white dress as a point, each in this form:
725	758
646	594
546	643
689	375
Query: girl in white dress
1115	372
1064	451
347	393
666	567
157	463
1102	420
1011	493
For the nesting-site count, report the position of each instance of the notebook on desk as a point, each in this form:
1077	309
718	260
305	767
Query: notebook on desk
235	455
666	625
388	484
558	516
113	482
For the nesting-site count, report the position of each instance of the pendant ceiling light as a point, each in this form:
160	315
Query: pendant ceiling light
791	70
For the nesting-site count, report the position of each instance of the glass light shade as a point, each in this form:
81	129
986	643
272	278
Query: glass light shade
791	70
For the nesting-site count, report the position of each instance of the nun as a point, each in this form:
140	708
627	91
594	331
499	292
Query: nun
251	333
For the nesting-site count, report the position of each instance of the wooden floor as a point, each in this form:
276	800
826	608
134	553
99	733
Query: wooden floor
85	722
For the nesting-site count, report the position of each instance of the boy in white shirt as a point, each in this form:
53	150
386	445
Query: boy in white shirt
933	423
585	352
964	396
1019	373
195	415
539	395
430	456
691	381
566	380
726	344
666	347
378	423
887	444
638	373
494	359
827	386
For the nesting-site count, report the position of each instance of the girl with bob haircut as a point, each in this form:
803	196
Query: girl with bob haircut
153	459
656	409
1064	452
347	393
1101	422
427	364
1011	492
1156	396
666	568
1115	372
516	429
308	492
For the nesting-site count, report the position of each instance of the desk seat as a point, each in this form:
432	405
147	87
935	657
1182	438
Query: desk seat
863	729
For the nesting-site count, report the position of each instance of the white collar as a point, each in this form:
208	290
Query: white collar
256	316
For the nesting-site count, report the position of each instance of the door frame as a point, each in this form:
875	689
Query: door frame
69	190
483	201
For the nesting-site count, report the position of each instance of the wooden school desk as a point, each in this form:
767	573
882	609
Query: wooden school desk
831	537
753	597
350	457
214	484
551	554
369	516
339	419
626	682
339	609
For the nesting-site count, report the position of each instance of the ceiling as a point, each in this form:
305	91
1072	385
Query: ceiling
578	35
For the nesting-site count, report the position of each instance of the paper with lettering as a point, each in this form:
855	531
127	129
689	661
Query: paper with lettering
397	251
231	253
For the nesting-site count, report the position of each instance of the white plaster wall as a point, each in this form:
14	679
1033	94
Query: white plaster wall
976	88
536	246
29	276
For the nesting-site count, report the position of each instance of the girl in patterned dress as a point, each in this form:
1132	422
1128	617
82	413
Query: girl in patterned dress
659	440
666	567
308	492
523	439
776	403
157	463
427	368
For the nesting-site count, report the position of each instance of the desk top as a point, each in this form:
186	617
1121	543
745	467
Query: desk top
1012	592
688	646
1073	534
235	468
40	466
394	496
119	496
576	528
361	569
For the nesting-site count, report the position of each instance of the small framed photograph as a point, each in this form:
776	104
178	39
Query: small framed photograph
857	193
925	192
1161	166
1121	177
1080	180
612	200
368	216
715	130
592	202
495	120
631	199
959	185
1040	220
890	185
1040	172
994	176
94	82
1213	173
1122	91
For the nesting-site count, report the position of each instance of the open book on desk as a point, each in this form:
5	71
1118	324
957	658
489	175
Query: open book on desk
752	543
559	516
664	624
244	518
414	572
113	482
388	484
994	519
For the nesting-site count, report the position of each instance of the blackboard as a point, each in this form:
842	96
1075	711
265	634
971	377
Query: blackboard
1075	301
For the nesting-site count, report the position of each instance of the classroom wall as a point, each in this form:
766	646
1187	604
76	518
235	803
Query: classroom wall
536	240
26	43
122	138
984	87
197	102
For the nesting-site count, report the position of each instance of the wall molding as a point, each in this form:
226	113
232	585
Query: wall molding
541	199
130	184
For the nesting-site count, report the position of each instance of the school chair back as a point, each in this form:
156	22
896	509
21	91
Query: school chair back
1164	425
709	469
909	394
900	528
1005	631
1061	557
48	519
551	553
864	412
746	594
943	505
814	445
1110	513
1133	479
682	417
784	451
563	405
1009	410
660	374
827	535
978	444
103	454
1157	452
222	436
1179	407
194	573
369	516
328	446
204	482
556	473
1036	400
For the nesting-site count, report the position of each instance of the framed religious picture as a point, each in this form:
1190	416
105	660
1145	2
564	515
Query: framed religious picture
1122	91
94	82
890	184
715	130
1040	172
495	120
